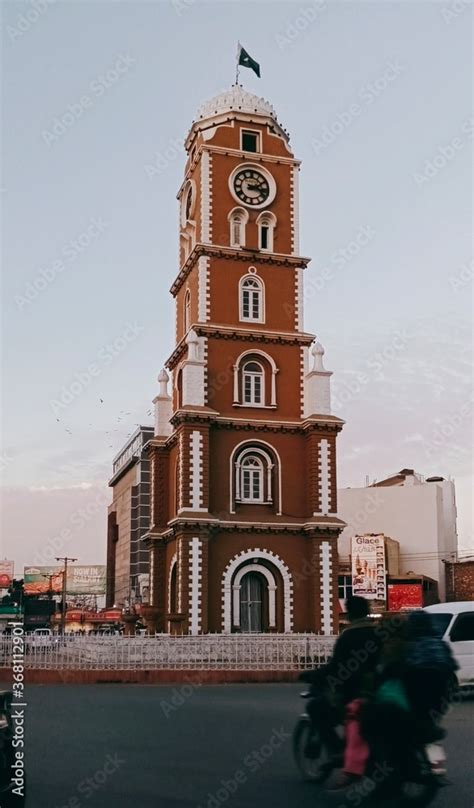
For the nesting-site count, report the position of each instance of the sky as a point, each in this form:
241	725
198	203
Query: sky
97	100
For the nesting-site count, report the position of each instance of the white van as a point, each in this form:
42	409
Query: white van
454	622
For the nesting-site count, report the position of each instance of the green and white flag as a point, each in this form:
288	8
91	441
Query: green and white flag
244	59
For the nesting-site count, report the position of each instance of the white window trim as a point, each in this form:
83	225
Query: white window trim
187	311
250	556
189	186
259	470
261	317
266	219
251	132
241	212
272	588
266	463
253	374
252	448
237	399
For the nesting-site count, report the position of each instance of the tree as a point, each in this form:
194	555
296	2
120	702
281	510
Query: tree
16	591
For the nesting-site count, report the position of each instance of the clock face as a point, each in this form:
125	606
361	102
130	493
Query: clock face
251	187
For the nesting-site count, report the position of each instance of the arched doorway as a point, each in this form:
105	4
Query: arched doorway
251	603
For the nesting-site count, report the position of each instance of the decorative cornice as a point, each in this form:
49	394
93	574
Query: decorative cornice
323	425
219	331
201	415
322	527
235	254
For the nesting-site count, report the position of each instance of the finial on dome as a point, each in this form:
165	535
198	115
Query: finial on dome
318	353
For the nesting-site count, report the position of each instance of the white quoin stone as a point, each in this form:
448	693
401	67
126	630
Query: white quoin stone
193	370
318	385
163	407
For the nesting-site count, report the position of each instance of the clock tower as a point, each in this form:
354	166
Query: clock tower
244	524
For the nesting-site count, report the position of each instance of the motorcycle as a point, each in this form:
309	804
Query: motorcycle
316	759
9	791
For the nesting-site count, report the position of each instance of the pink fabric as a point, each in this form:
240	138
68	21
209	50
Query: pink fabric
356	753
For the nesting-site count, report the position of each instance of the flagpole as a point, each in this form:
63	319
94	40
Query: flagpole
237	64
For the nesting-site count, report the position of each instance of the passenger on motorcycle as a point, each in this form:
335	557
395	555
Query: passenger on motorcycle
341	687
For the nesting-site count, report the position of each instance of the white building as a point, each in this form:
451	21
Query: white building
420	514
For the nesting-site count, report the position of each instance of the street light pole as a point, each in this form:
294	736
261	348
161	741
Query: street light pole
65	559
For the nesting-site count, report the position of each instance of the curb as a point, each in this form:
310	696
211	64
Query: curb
90	677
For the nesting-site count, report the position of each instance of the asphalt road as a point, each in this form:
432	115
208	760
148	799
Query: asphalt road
126	746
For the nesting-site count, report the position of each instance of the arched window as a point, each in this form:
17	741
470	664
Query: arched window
255	380
253	476
252	479
238	218
251	299
173	585
179	389
187	311
253	384
266	225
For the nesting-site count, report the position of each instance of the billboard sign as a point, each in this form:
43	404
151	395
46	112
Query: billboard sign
81	580
6	574
40	580
368	567
402	597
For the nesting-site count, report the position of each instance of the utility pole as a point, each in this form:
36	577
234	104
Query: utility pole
65	560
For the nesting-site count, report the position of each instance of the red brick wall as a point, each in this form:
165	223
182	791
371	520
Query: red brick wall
460	581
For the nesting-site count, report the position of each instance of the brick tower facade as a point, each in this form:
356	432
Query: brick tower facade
244	525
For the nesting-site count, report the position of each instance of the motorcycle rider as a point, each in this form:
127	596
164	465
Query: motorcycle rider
346	681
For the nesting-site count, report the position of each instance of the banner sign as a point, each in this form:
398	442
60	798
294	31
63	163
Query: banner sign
6	574
368	567
405	596
81	580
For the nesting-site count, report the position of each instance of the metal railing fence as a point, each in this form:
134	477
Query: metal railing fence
288	652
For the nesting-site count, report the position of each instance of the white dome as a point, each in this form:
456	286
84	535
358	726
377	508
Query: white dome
235	99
